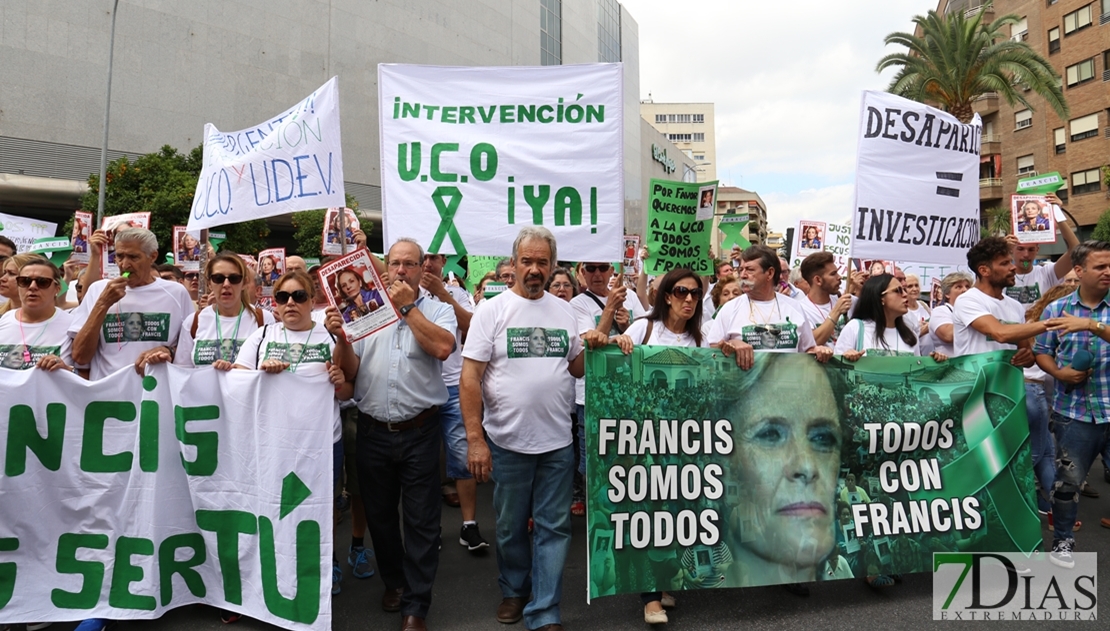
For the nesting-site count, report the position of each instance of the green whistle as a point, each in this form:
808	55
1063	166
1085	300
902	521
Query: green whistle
126	274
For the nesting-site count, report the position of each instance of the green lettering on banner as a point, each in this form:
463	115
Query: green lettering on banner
93	458
168	565
207	443
228	525
148	436
7	571
91	571
305	605
124	573
23	436
675	237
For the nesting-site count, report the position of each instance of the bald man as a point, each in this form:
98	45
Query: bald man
295	262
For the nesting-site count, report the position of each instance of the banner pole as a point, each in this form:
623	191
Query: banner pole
202	288
343	231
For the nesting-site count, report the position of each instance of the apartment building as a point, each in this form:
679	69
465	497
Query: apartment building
690	127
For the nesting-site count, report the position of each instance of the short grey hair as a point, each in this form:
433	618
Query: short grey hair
412	241
144	238
795	275
528	233
502	264
949	281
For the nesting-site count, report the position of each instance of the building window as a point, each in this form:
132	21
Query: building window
678	137
551	32
1061	139
699	137
1054	40
699	156
1076	20
1020	32
700	118
1085	182
660	118
608	31
1081	72
1025	165
1085	127
1023	119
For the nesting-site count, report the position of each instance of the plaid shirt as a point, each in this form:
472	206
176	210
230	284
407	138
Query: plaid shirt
1089	401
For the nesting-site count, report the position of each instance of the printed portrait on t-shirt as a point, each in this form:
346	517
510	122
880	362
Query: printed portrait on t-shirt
536	342
297	353
20	357
206	352
136	327
764	337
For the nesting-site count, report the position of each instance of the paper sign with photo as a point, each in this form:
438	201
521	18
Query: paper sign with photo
355	289
873	268
79	238
330	241
1032	219
936	296
707	201
630	261
110	226
271	265
811	237
186	249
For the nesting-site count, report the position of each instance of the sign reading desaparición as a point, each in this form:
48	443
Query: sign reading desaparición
917	182
181	487
292	162
471	155
703	475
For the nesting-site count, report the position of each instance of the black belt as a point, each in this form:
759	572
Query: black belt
415	422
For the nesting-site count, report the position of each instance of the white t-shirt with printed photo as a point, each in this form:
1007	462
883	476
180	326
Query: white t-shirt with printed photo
588	312
778	325
851	338
216	341
306	351
661	335
1028	288
146	318
23	344
974	304
527	389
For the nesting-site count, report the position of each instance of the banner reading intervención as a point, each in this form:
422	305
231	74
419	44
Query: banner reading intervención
140	495
471	155
292	162
676	236
702	475
917	182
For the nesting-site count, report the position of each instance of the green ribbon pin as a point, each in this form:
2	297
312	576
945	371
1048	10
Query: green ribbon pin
734	236
447	200
991	450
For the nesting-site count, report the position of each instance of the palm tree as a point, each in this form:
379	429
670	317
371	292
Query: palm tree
957	59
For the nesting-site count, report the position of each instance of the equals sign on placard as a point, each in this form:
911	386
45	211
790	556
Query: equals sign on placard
952	177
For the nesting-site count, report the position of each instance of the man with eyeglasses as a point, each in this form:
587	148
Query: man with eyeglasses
398	375
504	273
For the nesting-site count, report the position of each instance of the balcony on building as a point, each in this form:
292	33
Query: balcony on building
990	188
991	144
985	104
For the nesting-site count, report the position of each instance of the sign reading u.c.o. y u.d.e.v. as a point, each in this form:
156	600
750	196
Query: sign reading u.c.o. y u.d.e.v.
917	182
292	162
472	155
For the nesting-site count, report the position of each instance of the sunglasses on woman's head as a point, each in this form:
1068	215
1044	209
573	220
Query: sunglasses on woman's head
219	279
41	282
682	292
300	297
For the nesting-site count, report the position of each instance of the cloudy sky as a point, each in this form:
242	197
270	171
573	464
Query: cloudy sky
785	80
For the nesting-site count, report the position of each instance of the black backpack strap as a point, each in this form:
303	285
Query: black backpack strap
647	334
258	349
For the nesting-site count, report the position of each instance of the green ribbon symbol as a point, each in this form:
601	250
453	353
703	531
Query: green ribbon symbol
733	235
991	450
452	265
447	200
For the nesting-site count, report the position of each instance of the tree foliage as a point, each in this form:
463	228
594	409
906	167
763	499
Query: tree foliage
163	183
957	59
1102	228
308	228
997	222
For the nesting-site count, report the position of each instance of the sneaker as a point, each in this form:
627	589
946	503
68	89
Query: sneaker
471	538
93	624
578	508
229	617
336	578
359	560
1061	553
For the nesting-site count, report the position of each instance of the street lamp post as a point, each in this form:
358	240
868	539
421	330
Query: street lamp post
107	110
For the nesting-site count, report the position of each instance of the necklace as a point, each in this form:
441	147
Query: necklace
26	348
765	319
219	331
285	332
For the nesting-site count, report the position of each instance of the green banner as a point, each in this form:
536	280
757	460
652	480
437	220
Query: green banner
477	267
680	217
702	475
1042	184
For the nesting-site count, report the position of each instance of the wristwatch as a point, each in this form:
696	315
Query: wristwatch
407	308
1099	327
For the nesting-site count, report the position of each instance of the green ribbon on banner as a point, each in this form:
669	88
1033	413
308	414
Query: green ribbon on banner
452	265
991	449
734	234
447	200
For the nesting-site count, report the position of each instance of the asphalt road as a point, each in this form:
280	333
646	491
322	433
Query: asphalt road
466	594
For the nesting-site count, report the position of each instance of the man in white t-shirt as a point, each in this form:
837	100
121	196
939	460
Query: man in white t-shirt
432	287
1032	281
521	358
763	319
133	319
825	308
984	319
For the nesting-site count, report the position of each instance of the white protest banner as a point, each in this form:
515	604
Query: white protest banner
834	237
23	230
353	286
917	182
292	162
471	155
140	495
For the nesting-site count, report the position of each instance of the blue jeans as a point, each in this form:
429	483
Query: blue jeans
1077	444
1040	439
580	415
454	436
536	486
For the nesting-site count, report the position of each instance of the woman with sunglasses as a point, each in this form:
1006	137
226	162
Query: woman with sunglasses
9	270
213	335
298	344
35	333
877	326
